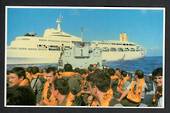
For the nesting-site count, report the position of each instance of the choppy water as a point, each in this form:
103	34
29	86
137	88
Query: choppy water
147	64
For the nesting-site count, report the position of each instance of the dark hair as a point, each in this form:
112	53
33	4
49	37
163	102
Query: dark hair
91	68
51	69
102	81
77	70
20	95
62	86
118	69
8	72
124	73
68	67
29	69
111	71
139	73
19	71
35	70
157	72
82	71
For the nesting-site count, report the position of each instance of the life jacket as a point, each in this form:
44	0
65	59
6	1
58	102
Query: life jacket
107	98
48	99
121	83
68	74
135	91
70	99
45	90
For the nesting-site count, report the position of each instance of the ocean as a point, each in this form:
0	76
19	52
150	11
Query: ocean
146	64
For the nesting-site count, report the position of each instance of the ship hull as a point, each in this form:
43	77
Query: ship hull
115	56
32	57
40	57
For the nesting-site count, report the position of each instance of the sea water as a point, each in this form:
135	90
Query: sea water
146	64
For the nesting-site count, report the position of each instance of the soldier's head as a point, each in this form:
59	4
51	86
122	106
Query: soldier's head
101	83
157	76
118	72
50	74
68	67
15	76
35	71
20	95
61	87
111	71
139	74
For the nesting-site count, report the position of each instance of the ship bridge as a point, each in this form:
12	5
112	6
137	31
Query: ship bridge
57	33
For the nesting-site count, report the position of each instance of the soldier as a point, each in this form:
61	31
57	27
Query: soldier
158	82
36	84
61	91
47	96
101	88
68	71
134	93
16	77
20	95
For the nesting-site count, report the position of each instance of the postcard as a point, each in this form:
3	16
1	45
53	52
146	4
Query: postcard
85	57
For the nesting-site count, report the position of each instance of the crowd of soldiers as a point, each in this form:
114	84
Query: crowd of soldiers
81	87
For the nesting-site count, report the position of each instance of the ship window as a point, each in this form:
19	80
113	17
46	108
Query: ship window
132	49
137	49
32	48
112	49
41	46
105	49
120	49
126	49
22	48
13	48
42	40
25	39
41	49
51	49
67	47
131	44
54	48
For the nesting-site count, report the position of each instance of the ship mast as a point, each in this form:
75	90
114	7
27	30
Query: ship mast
58	21
82	31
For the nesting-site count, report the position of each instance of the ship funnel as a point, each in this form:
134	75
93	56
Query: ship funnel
123	37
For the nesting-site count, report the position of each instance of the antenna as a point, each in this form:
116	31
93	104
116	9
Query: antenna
58	21
82	32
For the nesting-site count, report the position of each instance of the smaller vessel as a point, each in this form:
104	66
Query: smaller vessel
81	55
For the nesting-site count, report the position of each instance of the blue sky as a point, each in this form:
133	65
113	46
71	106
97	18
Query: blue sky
144	27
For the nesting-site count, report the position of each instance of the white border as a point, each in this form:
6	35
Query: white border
66	7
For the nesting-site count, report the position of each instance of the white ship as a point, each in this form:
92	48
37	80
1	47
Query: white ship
32	49
114	50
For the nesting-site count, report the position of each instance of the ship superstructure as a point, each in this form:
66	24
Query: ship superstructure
33	49
30	48
113	50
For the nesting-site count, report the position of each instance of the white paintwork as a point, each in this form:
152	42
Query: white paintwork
36	49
